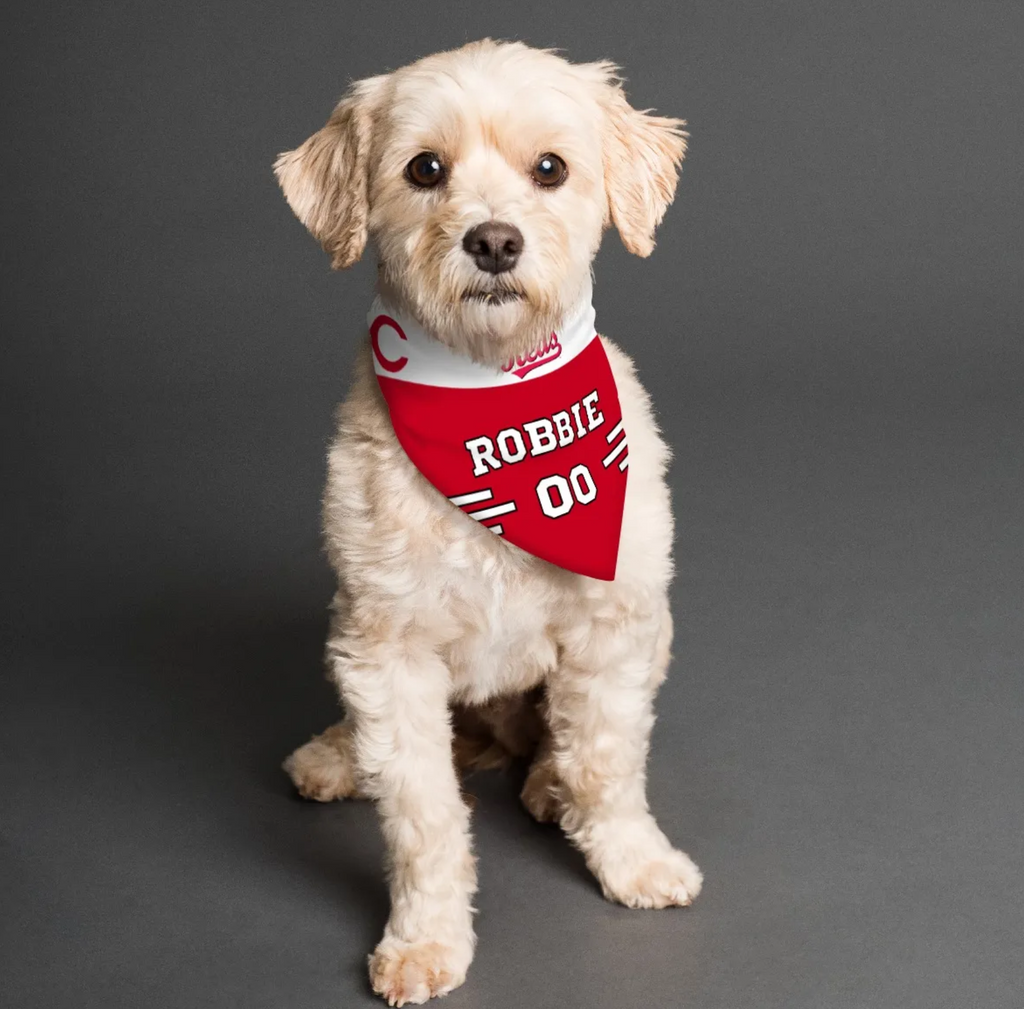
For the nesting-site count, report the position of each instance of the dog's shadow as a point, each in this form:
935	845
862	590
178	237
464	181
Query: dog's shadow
244	685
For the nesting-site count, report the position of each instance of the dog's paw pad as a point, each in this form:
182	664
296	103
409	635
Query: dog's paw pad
411	973
320	772
670	880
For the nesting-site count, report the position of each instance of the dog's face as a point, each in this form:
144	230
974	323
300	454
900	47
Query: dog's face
486	177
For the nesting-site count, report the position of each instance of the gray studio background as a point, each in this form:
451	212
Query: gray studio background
831	330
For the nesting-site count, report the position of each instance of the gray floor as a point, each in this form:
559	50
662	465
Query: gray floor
831	330
839	744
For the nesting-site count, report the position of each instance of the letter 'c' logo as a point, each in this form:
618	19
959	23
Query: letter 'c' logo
386	362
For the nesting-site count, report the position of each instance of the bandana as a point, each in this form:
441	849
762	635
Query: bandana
535	451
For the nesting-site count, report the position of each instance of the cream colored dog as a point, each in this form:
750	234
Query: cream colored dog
445	639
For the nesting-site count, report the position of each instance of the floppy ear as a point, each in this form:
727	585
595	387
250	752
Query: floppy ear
642	155
326	180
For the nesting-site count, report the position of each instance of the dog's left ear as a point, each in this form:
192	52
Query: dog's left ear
642	155
326	180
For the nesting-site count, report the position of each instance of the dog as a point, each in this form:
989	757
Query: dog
452	648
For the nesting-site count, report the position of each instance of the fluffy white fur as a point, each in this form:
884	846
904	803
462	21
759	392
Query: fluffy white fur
449	646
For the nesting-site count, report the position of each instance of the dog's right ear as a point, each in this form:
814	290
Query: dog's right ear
326	180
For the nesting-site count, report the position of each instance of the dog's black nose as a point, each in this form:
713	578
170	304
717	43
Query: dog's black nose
494	245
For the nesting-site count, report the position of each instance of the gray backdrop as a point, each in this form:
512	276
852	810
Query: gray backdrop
831	330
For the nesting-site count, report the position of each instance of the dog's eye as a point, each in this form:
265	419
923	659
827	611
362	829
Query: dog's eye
549	171
425	170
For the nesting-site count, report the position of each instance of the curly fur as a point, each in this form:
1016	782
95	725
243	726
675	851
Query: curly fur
448	645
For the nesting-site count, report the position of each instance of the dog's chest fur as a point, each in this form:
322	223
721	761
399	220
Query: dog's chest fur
507	642
499	617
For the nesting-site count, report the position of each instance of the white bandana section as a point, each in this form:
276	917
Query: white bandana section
403	350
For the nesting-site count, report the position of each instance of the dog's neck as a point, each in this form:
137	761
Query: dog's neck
404	349
575	329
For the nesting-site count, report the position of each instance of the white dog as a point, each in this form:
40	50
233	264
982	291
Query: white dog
486	177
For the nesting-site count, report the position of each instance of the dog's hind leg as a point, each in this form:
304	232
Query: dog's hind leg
495	734
541	794
324	768
486	737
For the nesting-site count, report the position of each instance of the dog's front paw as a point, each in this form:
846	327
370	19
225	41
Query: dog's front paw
667	880
410	973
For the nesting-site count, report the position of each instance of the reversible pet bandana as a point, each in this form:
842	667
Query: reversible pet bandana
535	451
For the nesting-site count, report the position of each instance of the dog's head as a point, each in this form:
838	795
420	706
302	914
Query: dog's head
486	177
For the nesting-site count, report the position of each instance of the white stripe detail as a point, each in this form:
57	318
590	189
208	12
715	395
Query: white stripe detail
614	454
475	498
430	362
493	513
496	528
624	463
613	433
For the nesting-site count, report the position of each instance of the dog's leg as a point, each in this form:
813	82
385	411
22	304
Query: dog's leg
541	794
396	694
324	768
600	712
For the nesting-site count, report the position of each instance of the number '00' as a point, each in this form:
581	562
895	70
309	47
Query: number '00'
558	495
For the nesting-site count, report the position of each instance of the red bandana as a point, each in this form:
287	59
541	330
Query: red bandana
536	451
